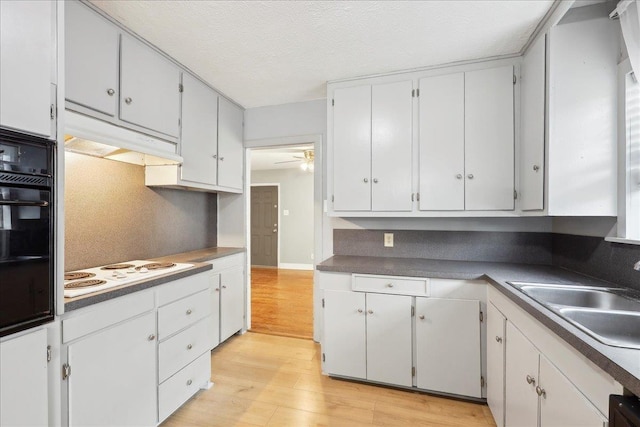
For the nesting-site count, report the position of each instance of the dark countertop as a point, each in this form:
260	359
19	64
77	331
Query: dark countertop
198	258
621	363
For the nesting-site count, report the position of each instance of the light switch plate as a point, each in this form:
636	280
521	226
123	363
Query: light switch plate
388	240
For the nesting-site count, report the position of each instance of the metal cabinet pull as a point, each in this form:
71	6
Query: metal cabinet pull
189	311
222	159
459	176
470	176
421	317
541	392
39	203
536	168
366	180
189	347
128	100
110	92
389	285
224	286
375	180
189	382
370	311
498	339
217	289
359	310
152	337
530	380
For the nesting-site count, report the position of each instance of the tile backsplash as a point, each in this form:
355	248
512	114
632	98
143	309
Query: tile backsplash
111	216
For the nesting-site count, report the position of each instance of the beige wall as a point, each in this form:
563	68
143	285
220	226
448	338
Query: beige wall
111	216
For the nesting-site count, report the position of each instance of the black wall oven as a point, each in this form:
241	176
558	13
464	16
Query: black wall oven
26	232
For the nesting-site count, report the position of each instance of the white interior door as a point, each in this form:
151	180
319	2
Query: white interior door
448	346
496	323
489	139
442	142
389	355
352	149
391	146
344	345
521	378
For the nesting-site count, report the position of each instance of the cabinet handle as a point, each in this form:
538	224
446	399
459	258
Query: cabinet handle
541	392
366	180
536	168
470	176
128	100
375	180
189	347
215	156
224	286
110	92
189	311
370	311
498	339
359	310
531	380
421	317
222	159
459	176
152	337
217	289
189	382
389	285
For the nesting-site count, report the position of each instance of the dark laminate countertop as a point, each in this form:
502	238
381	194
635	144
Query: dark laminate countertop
198	258
621	363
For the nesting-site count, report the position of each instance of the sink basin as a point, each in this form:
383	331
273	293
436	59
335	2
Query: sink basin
578	296
615	328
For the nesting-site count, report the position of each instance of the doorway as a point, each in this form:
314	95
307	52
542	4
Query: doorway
281	182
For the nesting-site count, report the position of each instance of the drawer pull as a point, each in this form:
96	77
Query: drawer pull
224	286
421	317
359	310
152	337
189	311
531	380
498	339
370	311
217	289
189	347
189	382
389	285
541	392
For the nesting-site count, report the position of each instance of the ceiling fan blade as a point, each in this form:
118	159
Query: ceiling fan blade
286	161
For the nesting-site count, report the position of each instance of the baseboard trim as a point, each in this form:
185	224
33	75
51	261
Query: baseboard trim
293	266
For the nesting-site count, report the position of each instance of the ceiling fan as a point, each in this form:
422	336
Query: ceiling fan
306	159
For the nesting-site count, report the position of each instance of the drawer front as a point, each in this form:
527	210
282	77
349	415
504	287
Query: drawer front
182	313
391	285
183	348
230	261
184	287
180	387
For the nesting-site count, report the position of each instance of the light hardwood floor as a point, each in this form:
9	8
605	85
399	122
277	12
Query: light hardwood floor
266	380
282	302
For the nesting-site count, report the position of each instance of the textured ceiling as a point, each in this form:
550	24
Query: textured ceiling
275	52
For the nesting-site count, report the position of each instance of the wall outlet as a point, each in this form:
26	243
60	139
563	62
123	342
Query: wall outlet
388	240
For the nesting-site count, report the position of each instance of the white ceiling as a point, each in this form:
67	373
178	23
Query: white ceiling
275	52
275	158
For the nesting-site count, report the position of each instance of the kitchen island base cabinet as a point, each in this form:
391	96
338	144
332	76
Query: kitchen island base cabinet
113	376
24	397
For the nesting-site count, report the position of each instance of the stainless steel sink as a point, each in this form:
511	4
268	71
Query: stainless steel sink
615	328
578	296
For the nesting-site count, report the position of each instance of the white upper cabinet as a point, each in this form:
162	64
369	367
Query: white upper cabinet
582	169
532	99
230	145
372	147
199	141
442	142
91	59
27	83
150	88
352	149
489	139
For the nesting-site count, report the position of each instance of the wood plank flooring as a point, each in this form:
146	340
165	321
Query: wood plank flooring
282	302
266	380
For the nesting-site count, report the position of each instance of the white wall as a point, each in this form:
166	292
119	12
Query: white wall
277	121
296	214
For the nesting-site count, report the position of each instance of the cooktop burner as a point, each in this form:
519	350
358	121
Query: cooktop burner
85	283
156	266
78	275
116	266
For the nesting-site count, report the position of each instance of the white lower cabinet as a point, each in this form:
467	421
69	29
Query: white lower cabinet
23	363
535	378
228	296
448	335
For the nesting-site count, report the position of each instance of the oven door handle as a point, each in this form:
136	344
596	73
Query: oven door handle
39	203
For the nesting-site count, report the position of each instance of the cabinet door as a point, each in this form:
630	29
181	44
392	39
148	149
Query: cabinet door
496	323
149	88
91	59
113	376
199	140
521	378
352	149
230	145
562	405
23	383
215	309
448	346
389	355
442	142
489	143
344	346
532	89
391	146
27	50
231	302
